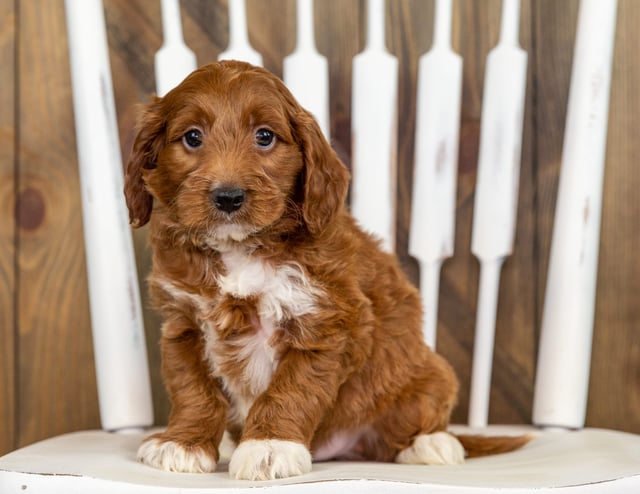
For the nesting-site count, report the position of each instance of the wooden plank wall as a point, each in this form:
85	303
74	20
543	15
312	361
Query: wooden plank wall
7	226
47	383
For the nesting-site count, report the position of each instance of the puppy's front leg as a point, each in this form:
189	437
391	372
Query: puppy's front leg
281	422
198	415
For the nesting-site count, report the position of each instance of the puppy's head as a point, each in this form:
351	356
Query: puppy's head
230	154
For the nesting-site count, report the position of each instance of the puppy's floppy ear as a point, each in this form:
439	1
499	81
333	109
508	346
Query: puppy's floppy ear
144	154
325	178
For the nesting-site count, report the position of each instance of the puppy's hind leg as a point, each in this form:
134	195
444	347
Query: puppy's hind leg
415	428
439	448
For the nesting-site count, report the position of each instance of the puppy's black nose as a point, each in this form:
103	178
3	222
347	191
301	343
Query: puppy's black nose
228	200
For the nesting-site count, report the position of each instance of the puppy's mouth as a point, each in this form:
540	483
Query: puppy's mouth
229	204
223	216
230	218
231	232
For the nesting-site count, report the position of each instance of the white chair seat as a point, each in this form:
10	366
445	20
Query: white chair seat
589	460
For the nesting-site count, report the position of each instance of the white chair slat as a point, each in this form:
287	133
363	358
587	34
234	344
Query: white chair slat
438	103
496	199
564	357
116	316
306	72
373	130
239	46
174	60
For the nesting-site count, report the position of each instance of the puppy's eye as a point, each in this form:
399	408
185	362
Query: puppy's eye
265	138
192	139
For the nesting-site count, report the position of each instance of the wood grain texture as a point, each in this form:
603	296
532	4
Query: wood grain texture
57	389
615	383
8	402
410	32
53	368
340	35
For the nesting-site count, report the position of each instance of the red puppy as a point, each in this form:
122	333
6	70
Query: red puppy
284	322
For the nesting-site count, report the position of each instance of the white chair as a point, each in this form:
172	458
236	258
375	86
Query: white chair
564	457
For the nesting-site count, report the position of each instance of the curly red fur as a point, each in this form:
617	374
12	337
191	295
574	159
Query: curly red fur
283	319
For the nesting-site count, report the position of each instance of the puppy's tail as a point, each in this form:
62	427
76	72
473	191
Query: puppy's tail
475	445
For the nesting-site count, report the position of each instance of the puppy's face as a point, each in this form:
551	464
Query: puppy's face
230	154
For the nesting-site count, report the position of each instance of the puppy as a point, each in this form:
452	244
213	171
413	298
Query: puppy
284	322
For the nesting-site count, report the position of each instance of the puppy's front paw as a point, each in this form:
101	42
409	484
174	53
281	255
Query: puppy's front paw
439	448
174	457
269	459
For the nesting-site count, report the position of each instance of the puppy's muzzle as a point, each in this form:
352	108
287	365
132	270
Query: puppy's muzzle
227	199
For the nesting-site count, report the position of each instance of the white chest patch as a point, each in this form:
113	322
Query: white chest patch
281	292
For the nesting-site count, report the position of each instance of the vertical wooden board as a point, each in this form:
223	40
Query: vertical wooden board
8	403
410	32
134	34
272	30
554	28
515	339
206	28
57	380
340	35
554	31
614	392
